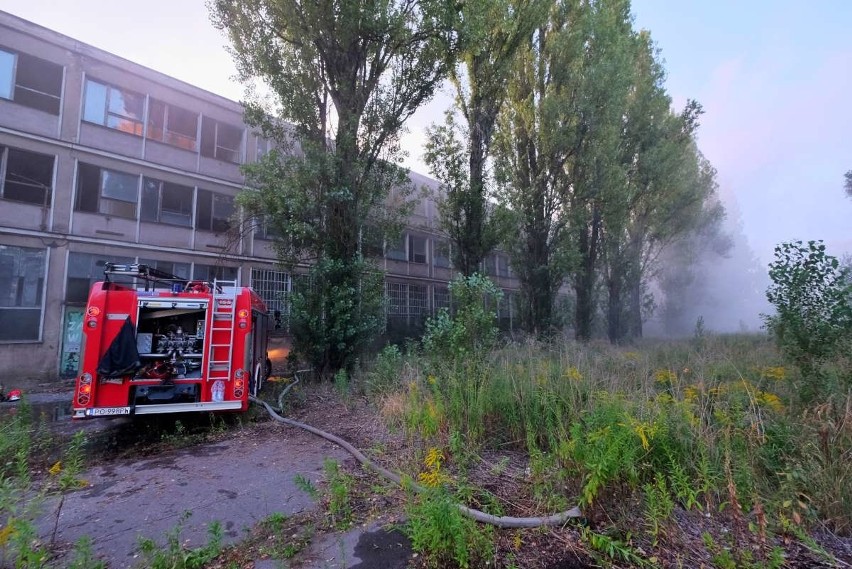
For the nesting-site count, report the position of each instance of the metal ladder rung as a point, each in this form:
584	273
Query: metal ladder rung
222	320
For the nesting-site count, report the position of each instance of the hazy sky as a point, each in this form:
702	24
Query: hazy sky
774	77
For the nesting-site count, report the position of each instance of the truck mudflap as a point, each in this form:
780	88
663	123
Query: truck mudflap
157	409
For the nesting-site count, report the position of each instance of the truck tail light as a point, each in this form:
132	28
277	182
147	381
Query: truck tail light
84	391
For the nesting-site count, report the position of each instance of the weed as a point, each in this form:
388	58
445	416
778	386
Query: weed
306	486
339	490
83	557
175	555
74	458
613	549
658	506
438	529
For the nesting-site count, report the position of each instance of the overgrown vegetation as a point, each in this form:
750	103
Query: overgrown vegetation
713	430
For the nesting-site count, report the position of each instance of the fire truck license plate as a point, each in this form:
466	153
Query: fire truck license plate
109	411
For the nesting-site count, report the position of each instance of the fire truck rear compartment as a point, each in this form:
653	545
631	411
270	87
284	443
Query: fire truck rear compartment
170	341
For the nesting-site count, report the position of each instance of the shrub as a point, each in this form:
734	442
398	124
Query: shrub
812	295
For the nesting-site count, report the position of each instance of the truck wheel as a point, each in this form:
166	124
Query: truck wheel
268	371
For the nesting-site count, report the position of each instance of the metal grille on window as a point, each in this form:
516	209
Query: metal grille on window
418	300
396	305
274	288
441	298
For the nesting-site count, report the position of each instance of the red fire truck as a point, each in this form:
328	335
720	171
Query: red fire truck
171	346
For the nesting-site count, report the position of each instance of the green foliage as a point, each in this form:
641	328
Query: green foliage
83	557
343	79
438	529
471	331
385	374
336	312
812	296
613	549
175	555
339	491
306	486
658	505
73	463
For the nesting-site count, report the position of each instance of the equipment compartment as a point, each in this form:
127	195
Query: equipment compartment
173	334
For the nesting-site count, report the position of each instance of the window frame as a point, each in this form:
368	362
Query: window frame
415	256
161	189
40	296
99	210
200	197
47	190
219	151
15	82
138	124
167	134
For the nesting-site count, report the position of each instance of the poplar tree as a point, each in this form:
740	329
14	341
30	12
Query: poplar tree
490	34
342	77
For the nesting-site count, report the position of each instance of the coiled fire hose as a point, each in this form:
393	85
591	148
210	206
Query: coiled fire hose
479	516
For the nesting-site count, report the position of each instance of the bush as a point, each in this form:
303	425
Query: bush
812	295
470	333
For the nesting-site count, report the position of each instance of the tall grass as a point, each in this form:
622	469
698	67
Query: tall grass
715	422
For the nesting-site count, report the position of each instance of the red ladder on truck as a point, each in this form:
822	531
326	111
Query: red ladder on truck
221	346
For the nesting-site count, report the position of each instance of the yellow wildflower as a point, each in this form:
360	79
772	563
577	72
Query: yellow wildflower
665	376
5	533
690	394
56	468
573	374
778	373
431	379
770	400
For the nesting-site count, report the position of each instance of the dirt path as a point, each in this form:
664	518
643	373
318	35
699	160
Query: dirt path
237	482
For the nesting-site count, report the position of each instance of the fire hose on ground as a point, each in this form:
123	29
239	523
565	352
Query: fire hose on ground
499	521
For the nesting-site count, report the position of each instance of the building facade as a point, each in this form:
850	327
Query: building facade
103	160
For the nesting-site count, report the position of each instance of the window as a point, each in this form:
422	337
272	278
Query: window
221	141
404	301
396	249
489	265
173	125
84	270
213	211
106	191
210	272
264	228
442	253
416	249
180	270
164	202
29	176
22	272
503	266
113	107
30	81
274	288
441	298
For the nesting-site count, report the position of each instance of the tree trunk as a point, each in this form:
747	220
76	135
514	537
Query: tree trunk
584	283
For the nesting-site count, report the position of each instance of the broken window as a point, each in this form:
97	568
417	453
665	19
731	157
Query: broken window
30	81
113	107
164	202
213	211
106	191
29	176
173	125
221	141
